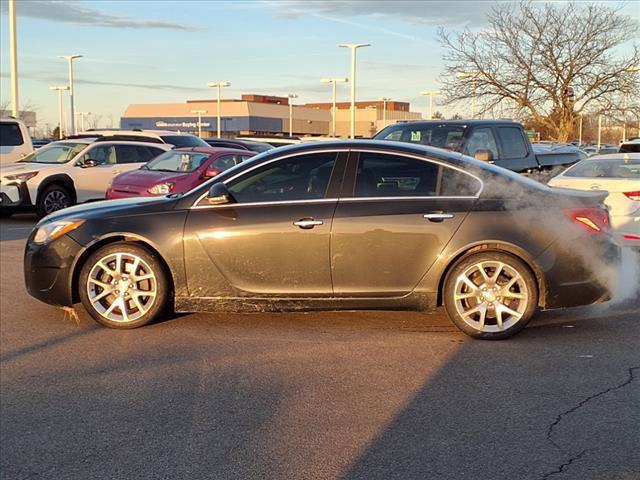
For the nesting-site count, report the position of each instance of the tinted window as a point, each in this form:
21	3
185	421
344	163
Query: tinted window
184	141
384	175
617	168
10	134
627	147
175	161
512	142
441	136
131	154
482	139
305	177
225	162
55	153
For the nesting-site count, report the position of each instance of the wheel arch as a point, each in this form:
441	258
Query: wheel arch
501	247
58	179
114	238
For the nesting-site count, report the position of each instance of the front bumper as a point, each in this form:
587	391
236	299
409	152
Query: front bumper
48	269
15	197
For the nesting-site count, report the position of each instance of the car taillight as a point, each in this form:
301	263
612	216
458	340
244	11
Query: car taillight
594	220
633	195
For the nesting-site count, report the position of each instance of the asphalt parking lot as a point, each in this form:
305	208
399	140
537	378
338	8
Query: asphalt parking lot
366	395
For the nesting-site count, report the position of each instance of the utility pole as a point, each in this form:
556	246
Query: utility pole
13	47
291	96
384	110
70	59
219	85
82	115
200	113
430	94
333	82
60	89
353	47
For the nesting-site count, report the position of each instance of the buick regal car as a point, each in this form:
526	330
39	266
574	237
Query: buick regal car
332	225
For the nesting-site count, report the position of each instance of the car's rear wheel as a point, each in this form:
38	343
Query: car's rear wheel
53	198
123	285
490	295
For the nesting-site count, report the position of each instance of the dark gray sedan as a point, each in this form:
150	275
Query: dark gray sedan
333	225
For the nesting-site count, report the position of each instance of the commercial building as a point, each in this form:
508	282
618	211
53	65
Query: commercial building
264	115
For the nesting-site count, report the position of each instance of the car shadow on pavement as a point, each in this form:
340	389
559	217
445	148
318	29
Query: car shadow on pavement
18	227
554	399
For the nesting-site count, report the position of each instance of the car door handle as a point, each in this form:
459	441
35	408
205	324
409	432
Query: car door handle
307	223
438	216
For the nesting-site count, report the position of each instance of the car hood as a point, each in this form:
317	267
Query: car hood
112	208
147	178
23	167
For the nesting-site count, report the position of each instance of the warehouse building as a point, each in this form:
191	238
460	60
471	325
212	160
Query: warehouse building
263	115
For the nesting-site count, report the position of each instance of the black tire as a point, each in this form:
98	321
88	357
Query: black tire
149	261
52	198
492	296
5	213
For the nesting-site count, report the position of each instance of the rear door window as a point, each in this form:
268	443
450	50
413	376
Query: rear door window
512	143
10	134
132	154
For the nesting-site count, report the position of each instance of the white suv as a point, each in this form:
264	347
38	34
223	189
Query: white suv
71	171
15	141
177	139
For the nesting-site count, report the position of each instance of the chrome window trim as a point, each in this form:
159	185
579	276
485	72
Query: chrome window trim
349	199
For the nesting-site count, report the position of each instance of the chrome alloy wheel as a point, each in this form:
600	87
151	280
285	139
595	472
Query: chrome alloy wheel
491	296
56	200
121	287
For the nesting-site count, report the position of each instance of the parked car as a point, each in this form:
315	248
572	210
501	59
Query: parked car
67	172
258	147
15	141
175	171
273	140
176	139
40	142
501	142
630	146
619	175
332	225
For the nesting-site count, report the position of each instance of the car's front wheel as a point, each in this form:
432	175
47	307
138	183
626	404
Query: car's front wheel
123	285
53	198
490	295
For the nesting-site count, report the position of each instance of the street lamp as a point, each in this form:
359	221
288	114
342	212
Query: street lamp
69	59
384	109
353	47
13	47
200	113
430	94
218	85
60	89
333	82
291	96
472	75
82	115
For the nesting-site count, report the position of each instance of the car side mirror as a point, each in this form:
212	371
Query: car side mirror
88	163
219	194
483	155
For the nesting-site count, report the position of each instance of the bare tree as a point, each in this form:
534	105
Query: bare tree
553	61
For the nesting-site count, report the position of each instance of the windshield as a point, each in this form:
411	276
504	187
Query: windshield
618	168
435	135
55	153
174	161
180	141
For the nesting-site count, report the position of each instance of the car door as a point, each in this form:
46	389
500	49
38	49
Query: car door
396	215
91	181
273	241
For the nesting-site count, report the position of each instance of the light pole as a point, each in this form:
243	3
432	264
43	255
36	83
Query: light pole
353	47
473	76
430	94
60	89
200	113
599	129
634	69
291	96
580	132
82	115
218	85
384	110
333	82
69	59
13	47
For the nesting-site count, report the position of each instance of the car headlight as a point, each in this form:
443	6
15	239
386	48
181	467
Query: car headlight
162	188
19	177
50	231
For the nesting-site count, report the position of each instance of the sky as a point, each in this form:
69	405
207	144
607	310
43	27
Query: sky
166	51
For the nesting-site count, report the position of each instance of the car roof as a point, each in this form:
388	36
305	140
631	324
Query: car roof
212	150
107	132
101	141
471	121
615	156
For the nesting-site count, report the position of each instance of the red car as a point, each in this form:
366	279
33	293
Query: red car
175	171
